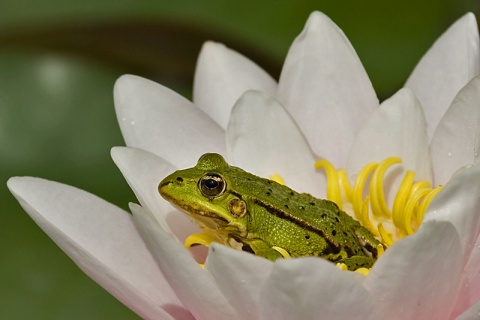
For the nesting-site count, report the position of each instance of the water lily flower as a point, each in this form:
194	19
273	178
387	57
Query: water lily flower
322	106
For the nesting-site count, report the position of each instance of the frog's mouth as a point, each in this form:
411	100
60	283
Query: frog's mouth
204	218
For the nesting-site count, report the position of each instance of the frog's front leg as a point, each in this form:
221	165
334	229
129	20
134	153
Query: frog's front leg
262	249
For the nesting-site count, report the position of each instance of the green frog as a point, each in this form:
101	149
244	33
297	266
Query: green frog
265	218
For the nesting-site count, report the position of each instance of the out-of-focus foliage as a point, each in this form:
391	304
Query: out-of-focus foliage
58	63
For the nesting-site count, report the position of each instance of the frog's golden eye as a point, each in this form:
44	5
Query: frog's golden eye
212	185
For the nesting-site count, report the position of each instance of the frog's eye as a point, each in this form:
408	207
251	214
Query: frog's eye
212	185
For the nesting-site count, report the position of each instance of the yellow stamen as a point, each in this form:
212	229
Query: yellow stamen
402	196
380	250
364	271
365	220
377	197
342	266
358	187
282	251
333	187
410	209
198	239
386	236
410	203
277	178
344	184
426	202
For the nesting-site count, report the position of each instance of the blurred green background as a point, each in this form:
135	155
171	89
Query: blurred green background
59	61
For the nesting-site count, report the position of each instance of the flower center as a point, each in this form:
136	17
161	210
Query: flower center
365	198
368	202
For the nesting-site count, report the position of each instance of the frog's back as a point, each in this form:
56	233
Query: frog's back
317	215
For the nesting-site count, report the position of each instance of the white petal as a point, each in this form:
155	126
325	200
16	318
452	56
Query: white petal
263	139
326	89
471	313
157	119
448	65
417	277
222	76
459	203
312	288
103	242
240	276
192	285
395	129
469	293
144	171
456	142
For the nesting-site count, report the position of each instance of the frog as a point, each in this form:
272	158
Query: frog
266	218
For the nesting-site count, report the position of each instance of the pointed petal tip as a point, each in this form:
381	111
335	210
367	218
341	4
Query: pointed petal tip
451	61
16	185
124	81
319	22
135	208
317	18
115	151
211	47
222	75
470	17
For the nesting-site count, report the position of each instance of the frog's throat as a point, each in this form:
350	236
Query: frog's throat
410	204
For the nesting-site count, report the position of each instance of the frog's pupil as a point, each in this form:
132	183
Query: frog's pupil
212	185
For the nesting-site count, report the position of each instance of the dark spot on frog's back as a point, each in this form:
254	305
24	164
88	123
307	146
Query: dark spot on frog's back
179	179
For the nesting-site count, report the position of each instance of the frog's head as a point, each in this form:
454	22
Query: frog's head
204	192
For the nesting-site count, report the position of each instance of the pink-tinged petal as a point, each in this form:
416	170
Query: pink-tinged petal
395	129
418	276
469	293
194	286
472	313
144	171
326	89
313	288
459	203
240	276
222	76
456	142
157	119
448	65
103	242
263	139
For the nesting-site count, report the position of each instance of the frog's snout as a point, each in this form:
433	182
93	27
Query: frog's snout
167	185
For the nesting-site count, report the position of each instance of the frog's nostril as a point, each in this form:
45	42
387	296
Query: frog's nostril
179	179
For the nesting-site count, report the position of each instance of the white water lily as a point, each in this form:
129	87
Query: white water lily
322	105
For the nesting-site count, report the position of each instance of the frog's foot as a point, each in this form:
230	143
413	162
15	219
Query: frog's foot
357	263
